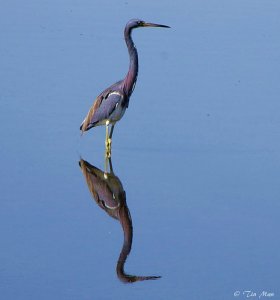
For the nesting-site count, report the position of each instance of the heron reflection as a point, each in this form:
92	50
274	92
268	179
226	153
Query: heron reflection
107	191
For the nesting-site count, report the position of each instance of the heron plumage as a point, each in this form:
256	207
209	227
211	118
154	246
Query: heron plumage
110	105
103	106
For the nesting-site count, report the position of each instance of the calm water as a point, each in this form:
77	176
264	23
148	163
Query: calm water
197	153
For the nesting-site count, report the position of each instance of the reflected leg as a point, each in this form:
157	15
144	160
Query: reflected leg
111	166
108	167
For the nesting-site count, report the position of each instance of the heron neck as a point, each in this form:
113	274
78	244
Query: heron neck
126	222
131	77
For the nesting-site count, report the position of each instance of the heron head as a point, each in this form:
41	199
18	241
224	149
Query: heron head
135	23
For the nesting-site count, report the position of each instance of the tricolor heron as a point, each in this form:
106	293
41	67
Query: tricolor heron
110	105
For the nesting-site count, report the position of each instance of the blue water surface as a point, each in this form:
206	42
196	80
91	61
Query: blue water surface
197	152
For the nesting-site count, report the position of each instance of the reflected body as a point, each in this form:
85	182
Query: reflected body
110	105
108	192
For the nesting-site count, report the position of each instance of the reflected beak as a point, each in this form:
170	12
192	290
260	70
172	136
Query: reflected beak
154	25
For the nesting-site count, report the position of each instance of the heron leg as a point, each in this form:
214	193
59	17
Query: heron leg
108	167
111	131
110	137
111	165
107	141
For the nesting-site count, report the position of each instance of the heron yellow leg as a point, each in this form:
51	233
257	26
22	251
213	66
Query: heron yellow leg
110	138
108	141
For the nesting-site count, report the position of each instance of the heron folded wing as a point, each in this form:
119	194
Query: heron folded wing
101	110
86	124
108	105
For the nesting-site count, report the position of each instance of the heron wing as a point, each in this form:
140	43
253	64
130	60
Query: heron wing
102	108
99	111
106	108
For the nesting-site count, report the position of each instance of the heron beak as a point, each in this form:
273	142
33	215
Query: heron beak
154	25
